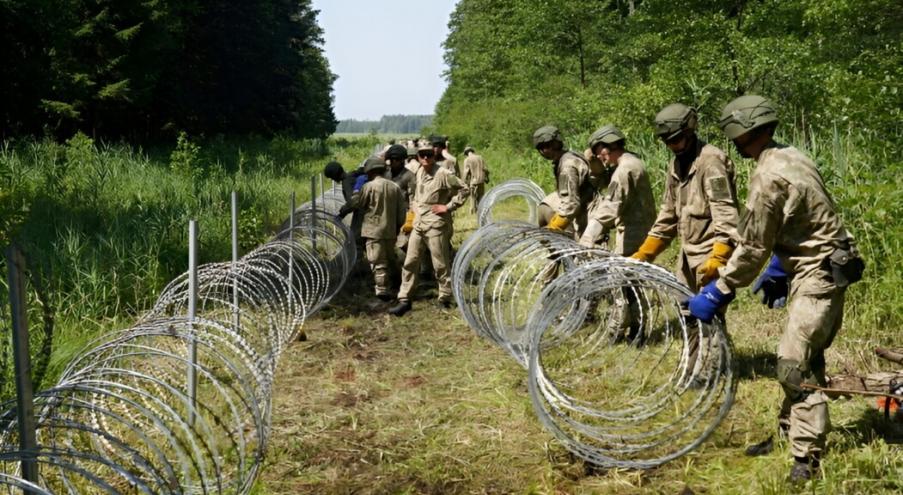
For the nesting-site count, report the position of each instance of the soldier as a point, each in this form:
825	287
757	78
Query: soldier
381	202
406	180
444	159
438	194
475	176
351	182
788	213
629	207
700	201
574	190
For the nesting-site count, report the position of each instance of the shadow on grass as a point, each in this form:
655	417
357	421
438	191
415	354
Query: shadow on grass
752	366
871	425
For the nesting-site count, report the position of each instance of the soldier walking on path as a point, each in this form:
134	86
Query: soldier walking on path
381	202
574	190
788	213
475	176
438	193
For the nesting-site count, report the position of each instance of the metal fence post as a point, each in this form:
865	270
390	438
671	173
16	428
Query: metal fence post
15	264
192	314
313	212
291	250
236	317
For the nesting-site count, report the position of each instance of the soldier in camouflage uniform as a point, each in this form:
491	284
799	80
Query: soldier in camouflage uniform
475	176
573	187
444	159
700	201
628	207
788	213
381	203
437	195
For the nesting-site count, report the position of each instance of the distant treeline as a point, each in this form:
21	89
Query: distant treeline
143	69
391	124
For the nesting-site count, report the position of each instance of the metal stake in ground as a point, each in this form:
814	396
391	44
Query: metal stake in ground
236	317
313	212
192	313
291	250
15	263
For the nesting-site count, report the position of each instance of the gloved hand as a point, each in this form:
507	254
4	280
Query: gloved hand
359	182
558	223
408	223
339	216
705	304
652	247
774	284
720	254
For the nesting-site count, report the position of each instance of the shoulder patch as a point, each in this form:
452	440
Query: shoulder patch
719	188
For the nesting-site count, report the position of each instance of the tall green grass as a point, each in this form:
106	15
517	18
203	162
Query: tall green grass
104	226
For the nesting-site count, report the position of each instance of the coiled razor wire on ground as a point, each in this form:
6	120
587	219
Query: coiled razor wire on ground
616	373
121	418
525	189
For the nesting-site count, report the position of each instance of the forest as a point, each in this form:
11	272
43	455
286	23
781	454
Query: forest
387	124
147	70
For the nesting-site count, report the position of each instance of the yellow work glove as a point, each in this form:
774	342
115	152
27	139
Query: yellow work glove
558	223
652	247
408	223
720	254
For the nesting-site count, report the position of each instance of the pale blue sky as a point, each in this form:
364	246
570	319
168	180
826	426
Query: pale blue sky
387	54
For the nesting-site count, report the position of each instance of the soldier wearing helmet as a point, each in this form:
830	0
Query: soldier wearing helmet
444	159
382	205
351	182
790	216
475	176
397	173
574	190
699	204
627	206
438	193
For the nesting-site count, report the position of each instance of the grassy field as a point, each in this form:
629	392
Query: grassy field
374	404
371	404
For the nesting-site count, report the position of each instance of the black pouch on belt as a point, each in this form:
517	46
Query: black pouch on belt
846	267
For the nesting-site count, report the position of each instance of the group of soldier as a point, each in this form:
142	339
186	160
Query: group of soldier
403	197
790	225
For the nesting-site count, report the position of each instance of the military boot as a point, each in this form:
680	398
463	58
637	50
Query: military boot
401	308
804	469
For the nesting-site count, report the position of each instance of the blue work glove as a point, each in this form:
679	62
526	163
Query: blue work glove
705	304
774	284
359	183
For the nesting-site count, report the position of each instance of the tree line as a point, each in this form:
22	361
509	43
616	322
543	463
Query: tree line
391	124
515	64
147	69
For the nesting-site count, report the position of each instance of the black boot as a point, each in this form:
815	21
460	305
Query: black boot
804	469
401	308
764	447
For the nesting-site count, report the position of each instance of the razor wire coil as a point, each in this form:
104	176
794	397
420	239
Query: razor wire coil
121	418
617	371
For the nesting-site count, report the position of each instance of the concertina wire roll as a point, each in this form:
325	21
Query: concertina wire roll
618	372
120	419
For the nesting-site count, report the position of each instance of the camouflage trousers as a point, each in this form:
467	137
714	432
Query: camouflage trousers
813	322
476	194
380	255
439	244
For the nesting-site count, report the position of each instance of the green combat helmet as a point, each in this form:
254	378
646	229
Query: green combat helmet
606	135
745	114
673	119
546	134
374	163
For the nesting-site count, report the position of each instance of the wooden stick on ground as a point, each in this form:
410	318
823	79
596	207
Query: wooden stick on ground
841	391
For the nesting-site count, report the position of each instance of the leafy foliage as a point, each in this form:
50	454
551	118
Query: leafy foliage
147	69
